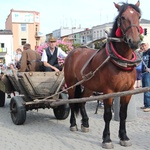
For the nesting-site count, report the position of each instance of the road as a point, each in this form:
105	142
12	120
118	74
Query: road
41	131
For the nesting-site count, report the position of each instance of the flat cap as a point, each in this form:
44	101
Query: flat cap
52	39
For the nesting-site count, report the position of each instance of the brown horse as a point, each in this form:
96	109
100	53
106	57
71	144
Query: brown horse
111	69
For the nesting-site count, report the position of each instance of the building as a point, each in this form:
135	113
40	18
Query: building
146	27
86	36
6	46
25	26
66	31
99	31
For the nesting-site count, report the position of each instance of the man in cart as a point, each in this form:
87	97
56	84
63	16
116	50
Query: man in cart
30	60
50	56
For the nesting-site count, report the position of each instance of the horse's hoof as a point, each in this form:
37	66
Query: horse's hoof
108	145
74	128
125	143
84	129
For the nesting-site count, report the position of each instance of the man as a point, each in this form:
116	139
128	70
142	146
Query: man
146	74
50	56
30	60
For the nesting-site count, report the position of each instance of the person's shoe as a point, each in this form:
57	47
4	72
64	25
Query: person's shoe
143	107
146	109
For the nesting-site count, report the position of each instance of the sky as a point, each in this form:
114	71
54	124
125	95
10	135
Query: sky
69	13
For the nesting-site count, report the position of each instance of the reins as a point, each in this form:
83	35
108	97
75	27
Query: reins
89	75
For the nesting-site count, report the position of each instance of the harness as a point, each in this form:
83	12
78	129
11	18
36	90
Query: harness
120	61
114	57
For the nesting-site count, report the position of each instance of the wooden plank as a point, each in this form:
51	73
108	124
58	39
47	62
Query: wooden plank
43	82
35	84
26	87
57	82
95	98
5	84
13	82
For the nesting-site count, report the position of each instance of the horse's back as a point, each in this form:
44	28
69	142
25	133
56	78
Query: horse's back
78	57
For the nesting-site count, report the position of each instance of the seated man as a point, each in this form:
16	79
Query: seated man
50	56
30	60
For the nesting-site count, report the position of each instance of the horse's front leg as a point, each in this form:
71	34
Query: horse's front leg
107	143
124	140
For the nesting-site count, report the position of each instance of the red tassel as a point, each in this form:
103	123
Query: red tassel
118	32
141	30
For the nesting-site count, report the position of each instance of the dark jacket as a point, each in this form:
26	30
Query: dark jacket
146	59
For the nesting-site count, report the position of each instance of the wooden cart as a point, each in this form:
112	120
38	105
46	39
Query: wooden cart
32	86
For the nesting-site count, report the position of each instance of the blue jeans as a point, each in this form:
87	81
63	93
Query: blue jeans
146	83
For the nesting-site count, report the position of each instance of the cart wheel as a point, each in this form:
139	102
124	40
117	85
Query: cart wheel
62	112
17	110
2	99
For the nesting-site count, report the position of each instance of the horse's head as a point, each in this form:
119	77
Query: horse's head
127	23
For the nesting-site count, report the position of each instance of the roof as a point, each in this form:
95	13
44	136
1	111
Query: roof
145	21
5	32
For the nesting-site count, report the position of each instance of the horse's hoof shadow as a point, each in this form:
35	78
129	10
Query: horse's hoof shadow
84	129
108	145
125	143
74	128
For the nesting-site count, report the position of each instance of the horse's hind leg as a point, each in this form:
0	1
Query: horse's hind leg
74	92
85	118
73	125
107	143
124	140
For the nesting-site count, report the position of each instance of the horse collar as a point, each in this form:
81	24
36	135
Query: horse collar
120	61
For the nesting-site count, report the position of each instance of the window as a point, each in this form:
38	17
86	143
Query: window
101	33
36	28
97	34
83	39
145	31
23	41
23	27
75	37
2	45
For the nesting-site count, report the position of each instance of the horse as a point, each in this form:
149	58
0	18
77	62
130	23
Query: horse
108	70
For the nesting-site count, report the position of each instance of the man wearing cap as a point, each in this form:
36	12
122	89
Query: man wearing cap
50	56
146	74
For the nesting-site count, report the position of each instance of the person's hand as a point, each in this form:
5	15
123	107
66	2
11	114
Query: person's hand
56	70
147	69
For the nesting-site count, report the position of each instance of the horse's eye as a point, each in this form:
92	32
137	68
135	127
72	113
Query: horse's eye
139	17
122	18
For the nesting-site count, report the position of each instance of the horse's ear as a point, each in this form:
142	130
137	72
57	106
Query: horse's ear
117	6
138	3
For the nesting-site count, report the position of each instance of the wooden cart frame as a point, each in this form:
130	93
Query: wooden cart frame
32	86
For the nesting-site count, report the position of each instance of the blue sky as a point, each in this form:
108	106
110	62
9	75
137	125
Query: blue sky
71	13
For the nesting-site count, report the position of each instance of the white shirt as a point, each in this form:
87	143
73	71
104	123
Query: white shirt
18	57
60	53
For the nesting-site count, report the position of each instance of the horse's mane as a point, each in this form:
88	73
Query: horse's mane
122	9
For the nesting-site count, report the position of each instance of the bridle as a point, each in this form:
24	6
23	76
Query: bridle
124	31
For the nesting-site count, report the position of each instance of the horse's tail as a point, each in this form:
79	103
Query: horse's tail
78	94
